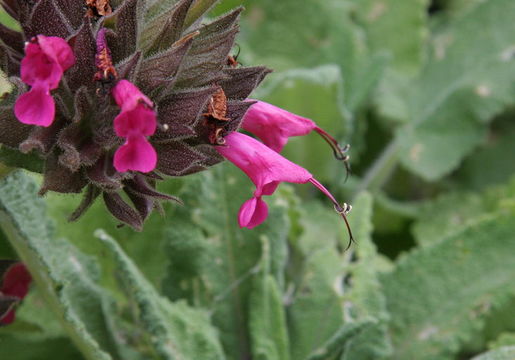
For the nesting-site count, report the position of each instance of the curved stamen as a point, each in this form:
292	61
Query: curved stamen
338	151
343	211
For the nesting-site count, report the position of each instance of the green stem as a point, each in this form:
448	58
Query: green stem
197	10
381	169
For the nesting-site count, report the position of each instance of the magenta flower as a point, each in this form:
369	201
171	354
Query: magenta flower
15	284
267	169
135	122
274	126
45	61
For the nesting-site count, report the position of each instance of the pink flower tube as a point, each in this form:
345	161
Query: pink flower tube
267	169
45	61
274	126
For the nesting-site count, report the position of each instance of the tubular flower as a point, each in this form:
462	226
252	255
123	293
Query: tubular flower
274	126
13	289
130	110
45	61
135	122
266	169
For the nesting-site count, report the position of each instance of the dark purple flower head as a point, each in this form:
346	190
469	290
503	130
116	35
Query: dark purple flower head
117	93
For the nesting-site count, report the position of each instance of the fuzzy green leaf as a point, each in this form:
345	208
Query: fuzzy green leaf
384	20
364	294
176	330
290	35
329	314
267	321
446	215
14	158
316	310
504	353
64	275
226	257
466	81
339	339
431	281
17	348
489	165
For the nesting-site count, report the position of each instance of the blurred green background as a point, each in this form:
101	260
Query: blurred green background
424	91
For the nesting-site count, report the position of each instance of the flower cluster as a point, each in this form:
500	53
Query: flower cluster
112	97
14	286
262	163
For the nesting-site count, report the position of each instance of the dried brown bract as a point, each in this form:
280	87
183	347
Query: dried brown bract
98	7
217	106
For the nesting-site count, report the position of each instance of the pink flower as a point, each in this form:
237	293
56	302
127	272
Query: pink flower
267	169
16	284
135	122
274	126
45	61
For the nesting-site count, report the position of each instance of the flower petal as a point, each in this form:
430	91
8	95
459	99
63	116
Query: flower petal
37	66
128	96
7	318
58	50
15	284
274	125
140	120
36	107
265	167
252	213
136	154
16	281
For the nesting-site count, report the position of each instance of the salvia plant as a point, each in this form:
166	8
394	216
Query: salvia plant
122	94
160	198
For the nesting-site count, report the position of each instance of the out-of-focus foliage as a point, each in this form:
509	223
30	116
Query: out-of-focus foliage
425	92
